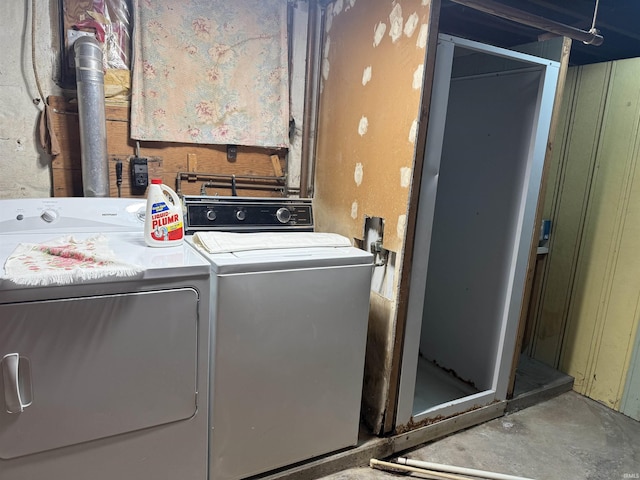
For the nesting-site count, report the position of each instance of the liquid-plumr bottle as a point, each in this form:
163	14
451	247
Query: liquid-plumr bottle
163	224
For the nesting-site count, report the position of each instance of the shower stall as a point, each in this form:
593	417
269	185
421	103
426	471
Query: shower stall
487	138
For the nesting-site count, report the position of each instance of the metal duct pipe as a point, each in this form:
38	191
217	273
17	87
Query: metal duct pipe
316	108
509	13
93	127
310	75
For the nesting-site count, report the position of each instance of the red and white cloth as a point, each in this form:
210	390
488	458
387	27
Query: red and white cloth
65	261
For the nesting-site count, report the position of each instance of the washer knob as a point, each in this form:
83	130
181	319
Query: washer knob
283	215
241	215
49	216
211	215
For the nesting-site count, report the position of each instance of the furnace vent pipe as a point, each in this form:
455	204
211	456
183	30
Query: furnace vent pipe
93	127
501	10
310	75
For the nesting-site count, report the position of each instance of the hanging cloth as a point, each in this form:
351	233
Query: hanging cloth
212	72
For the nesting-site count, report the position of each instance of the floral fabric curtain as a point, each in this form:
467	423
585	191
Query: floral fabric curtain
211	71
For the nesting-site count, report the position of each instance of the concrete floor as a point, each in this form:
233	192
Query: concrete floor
566	437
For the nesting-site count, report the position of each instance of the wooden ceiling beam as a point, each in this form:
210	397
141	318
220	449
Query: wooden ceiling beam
519	16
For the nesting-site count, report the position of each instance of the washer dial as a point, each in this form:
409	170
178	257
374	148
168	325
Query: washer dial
283	215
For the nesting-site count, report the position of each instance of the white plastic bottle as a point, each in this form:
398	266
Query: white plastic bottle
163	223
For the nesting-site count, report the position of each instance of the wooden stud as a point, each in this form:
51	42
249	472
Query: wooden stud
277	168
192	162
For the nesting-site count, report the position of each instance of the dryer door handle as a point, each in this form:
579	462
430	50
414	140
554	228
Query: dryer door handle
16	374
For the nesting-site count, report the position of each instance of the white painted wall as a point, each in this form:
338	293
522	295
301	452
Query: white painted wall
24	167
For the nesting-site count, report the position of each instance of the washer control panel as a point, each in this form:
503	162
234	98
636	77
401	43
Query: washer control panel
247	214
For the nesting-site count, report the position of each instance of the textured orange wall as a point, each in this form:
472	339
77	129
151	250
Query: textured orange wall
371	87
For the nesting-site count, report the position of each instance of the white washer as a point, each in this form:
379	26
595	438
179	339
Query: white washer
113	372
291	327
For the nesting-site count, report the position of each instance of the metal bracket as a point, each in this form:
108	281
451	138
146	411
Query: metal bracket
373	233
380	254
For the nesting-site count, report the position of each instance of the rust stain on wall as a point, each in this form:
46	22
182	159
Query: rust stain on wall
378	354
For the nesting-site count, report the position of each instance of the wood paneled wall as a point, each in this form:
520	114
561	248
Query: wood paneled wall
165	160
589	305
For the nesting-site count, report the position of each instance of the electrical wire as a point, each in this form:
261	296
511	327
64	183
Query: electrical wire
36	101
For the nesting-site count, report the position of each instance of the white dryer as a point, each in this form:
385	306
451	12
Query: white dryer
107	378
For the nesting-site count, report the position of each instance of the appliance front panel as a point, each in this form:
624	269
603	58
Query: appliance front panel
289	366
95	367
